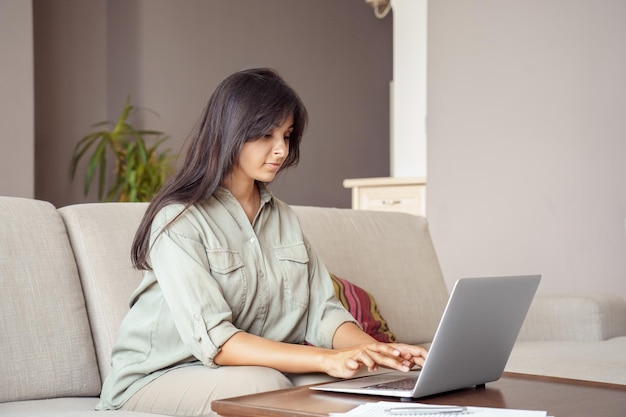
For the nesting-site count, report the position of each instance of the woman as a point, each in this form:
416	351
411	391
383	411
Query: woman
231	289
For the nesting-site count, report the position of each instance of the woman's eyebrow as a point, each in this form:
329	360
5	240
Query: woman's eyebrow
290	128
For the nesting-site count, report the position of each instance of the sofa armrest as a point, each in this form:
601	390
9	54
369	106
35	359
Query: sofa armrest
581	318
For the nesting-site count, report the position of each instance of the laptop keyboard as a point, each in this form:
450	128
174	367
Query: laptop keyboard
398	385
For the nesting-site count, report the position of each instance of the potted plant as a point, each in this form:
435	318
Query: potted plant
139	168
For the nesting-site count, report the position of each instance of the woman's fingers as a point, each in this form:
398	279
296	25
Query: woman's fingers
365	358
398	356
390	355
412	353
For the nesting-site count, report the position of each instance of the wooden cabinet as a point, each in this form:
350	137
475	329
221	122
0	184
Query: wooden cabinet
406	195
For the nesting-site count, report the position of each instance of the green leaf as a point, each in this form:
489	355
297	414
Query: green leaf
150	132
96	159
141	148
121	122
107	123
102	174
81	148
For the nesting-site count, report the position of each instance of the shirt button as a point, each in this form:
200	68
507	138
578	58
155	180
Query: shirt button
252	240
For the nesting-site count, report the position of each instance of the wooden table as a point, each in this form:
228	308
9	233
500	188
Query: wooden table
559	397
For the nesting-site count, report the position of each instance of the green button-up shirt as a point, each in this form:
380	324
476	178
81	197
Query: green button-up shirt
214	274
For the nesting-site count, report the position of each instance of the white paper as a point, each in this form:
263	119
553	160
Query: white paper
381	409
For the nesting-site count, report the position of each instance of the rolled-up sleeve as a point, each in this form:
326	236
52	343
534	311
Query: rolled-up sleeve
198	308
326	313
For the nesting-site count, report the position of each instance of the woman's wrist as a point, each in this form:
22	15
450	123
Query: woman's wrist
349	334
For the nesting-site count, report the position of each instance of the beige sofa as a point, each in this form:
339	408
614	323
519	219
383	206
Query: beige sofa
66	277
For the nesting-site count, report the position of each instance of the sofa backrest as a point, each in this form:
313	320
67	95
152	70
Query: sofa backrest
46	349
101	235
391	255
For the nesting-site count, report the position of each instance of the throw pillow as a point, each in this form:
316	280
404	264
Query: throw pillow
362	306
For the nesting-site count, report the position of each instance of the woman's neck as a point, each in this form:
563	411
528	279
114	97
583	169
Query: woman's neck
248	196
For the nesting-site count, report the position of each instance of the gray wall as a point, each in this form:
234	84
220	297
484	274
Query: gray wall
527	140
70	90
17	142
169	55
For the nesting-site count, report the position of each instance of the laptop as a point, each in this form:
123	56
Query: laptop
471	346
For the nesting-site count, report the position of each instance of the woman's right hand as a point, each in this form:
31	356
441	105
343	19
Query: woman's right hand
346	362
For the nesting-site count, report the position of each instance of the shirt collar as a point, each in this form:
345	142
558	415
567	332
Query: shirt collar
266	194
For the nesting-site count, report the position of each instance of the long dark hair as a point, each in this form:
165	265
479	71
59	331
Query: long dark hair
245	106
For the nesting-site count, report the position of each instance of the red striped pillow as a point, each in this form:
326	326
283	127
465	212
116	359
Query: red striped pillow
363	308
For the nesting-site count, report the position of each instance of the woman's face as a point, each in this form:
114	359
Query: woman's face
260	159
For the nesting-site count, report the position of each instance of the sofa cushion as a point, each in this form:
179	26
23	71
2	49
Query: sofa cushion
586	317
601	361
363	307
360	246
63	407
101	236
46	348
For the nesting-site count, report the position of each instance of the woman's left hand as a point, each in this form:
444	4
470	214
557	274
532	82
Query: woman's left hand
399	356
364	350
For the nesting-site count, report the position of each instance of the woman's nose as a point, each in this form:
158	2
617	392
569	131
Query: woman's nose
282	147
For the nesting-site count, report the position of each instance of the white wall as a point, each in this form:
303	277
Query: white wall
527	140
408	118
17	141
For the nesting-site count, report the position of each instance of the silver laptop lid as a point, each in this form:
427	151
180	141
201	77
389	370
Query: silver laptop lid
477	332
472	343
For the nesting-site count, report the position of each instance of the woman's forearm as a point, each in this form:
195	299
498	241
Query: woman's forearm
247	349
348	335
352	350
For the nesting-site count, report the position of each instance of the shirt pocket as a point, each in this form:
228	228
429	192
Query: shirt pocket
294	265
227	269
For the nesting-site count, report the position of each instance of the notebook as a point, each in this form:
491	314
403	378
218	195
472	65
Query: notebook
471	346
